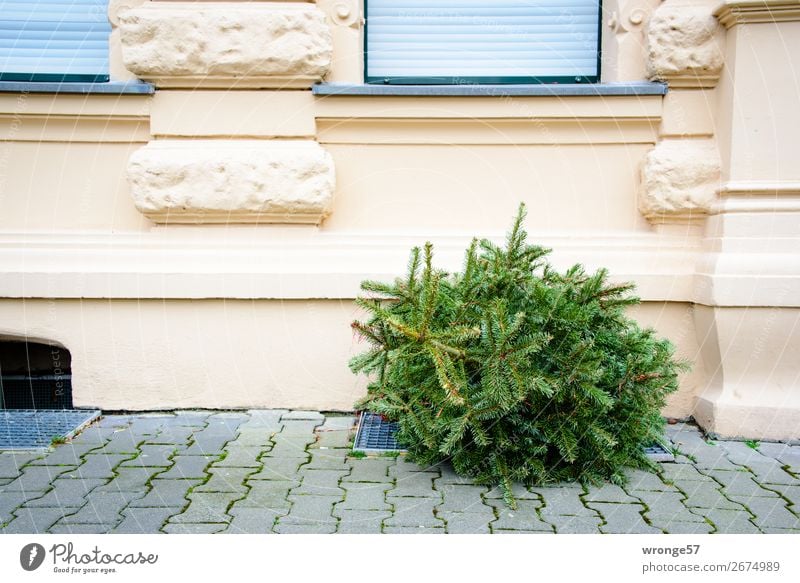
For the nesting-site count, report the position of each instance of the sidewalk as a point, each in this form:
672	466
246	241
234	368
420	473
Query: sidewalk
290	472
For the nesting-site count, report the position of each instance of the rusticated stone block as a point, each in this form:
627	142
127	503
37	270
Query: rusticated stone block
242	181
226	45
682	48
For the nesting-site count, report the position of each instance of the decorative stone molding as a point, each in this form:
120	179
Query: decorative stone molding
733	12
680	179
226	45
682	47
623	52
244	181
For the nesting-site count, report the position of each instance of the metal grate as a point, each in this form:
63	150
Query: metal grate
376	435
28	429
657	453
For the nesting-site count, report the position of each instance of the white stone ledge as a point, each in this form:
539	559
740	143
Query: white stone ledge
226	44
232	181
733	12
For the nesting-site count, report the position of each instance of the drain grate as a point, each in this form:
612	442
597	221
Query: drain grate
375	435
35	429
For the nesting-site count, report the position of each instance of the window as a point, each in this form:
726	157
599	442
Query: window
482	41
54	40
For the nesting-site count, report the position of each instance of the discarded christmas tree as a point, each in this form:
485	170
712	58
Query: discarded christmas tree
513	371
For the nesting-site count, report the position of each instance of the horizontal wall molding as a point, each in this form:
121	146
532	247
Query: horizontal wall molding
733	12
295	263
760	188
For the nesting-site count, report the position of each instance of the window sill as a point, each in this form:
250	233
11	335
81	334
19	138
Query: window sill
110	88
549	90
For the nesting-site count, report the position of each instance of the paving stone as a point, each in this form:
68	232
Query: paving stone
682	473
166	493
130	480
520	492
270	494
361	521
93	435
413	530
207	445
303	416
190	466
679	527
121	441
290	446
363	496
311	510
739	484
563	502
101	508
67	493
662	502
67	454
284	527
144	520
608	493
402	468
646	481
35	479
11	463
299	429
622	518
770	512
416	484
449	476
328	459
740	453
226	480
192	418
252	437
333	439
178	435
10	501
467	522
241	457
320	483
705	495
194	528
785	454
343	423
461	497
414	512
34	520
80	528
574	524
115	421
264	417
730	521
281	469
772	473
253	520
151	456
524	517
98	466
207	507
772	530
369	470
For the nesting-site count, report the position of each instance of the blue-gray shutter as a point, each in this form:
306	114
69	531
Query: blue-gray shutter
54	40
500	41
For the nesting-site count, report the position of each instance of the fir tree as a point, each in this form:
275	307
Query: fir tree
512	370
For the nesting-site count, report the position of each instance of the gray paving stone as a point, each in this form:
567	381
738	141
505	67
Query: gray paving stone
740	453
207	445
705	495
682	473
166	493
607	493
260	437
152	456
730	521
328	459
35	479
194	528
662	502
563	502
467	522
622	518
772	530
98	465
315	416
11	463
67	454
333	439
449	476
284	527
264	417
311	510
207	507
226	480
279	468
130	480
678	527
520	492
363	496
369	470
646	481
290	446
414	512
178	435
121	441
67	493
791	493
253	520
81	528
402	468
461	497
144	520
241	457
770	512
574	524
270	494
361	521
320	483
192	418
190	466
34	520
416	484
93	435
10	501
339	423
772	473
101	508
739	484
413	530
293	428
524	517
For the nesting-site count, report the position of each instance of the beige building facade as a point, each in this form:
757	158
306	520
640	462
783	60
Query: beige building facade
195	231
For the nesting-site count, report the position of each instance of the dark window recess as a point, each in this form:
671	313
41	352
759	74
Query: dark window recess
34	376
